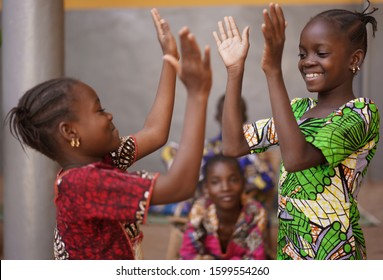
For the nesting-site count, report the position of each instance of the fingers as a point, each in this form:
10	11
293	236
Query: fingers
228	27
161	24
206	60
227	31
217	40
222	31
189	44
156	20
233	26
245	35
184	32
280	16
274	19
277	17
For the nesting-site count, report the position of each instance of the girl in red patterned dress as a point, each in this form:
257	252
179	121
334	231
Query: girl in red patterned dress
99	204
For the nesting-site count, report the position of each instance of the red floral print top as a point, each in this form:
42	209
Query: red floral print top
99	207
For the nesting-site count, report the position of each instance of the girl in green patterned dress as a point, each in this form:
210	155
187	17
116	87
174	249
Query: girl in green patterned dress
326	143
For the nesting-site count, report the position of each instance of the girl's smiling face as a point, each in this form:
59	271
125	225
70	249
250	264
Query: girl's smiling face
224	183
94	126
325	57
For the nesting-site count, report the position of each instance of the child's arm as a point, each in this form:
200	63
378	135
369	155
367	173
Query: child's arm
157	124
233	48
297	154
180	181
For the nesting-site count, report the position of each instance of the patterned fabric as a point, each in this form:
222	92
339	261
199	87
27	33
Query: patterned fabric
318	210
259	174
201	237
99	208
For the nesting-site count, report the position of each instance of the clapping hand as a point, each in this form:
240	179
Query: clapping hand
232	46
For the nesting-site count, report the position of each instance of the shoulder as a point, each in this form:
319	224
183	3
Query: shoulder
301	105
362	110
303	101
126	154
252	208
362	103
200	211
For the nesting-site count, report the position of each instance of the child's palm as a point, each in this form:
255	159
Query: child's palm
232	46
232	51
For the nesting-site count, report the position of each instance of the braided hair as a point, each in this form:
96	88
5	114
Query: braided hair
34	121
352	23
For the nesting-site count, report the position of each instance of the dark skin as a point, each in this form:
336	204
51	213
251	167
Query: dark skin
224	184
326	62
155	131
92	122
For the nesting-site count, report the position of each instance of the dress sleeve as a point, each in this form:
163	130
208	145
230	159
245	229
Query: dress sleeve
260	135
106	193
126	154
352	128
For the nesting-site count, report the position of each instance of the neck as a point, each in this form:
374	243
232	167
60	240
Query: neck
70	166
228	216
75	161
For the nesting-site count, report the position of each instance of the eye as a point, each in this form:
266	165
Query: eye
301	55
234	179
322	54
102	110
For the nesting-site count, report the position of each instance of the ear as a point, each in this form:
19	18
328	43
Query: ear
67	131
356	59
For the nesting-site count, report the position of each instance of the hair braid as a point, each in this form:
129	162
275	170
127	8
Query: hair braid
33	122
352	23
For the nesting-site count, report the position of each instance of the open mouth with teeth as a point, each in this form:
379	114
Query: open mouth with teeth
313	75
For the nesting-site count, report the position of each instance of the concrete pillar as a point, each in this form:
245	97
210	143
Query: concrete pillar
32	51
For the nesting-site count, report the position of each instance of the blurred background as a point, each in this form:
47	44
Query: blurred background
112	46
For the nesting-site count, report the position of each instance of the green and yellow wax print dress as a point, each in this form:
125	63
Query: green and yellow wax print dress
318	208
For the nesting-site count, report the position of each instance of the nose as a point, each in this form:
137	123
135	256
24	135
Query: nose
308	61
225	186
110	116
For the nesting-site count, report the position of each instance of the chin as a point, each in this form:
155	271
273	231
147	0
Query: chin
116	144
311	89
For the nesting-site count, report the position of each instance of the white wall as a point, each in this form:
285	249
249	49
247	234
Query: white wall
116	52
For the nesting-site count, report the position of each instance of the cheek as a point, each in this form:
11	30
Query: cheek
300	66
212	191
239	188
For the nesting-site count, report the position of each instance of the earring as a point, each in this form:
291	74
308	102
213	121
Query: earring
355	69
75	142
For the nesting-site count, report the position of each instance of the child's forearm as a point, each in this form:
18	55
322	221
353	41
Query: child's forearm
156	128
182	177
233	140
159	118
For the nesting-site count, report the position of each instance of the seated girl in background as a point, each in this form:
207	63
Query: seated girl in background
225	224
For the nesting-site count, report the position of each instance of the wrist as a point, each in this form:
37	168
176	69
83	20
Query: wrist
235	70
